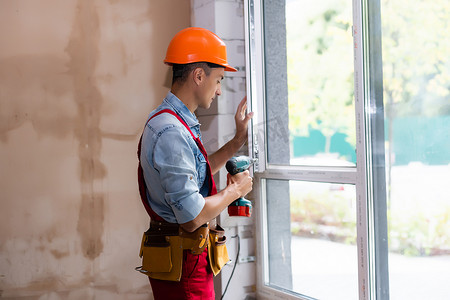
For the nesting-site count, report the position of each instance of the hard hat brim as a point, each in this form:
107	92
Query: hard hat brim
227	67
230	69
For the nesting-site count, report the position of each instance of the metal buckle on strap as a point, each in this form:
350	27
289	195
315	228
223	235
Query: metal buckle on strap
140	269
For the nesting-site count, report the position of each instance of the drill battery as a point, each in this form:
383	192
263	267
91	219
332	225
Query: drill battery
241	207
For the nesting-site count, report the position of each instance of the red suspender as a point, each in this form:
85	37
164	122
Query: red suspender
142	186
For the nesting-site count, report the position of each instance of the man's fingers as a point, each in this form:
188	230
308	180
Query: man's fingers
248	116
242	107
243	101
240	111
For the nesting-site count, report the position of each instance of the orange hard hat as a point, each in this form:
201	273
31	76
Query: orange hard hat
195	44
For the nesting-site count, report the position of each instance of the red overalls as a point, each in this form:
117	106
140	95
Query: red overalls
197	278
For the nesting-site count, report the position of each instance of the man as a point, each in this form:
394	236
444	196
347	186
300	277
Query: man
179	189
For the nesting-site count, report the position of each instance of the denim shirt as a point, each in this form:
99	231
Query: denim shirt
174	167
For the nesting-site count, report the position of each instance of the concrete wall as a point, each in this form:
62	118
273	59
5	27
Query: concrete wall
77	81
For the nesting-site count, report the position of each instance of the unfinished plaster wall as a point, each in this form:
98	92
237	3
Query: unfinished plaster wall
77	81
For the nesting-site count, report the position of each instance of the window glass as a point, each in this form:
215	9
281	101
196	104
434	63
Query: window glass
416	81
311	238
309	82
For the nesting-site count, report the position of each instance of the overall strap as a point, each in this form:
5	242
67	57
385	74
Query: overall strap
142	186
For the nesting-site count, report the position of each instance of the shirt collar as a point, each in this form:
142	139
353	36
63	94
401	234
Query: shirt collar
181	109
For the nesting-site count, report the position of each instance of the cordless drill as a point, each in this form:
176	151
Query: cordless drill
241	206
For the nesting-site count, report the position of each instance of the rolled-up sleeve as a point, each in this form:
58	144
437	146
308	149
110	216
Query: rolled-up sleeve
174	160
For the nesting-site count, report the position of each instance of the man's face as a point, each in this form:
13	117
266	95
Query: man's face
211	87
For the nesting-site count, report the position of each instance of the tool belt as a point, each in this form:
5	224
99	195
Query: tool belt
163	244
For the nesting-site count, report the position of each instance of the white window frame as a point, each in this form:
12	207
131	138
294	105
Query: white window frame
372	267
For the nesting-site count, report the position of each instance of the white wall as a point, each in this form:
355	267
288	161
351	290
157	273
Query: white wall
226	19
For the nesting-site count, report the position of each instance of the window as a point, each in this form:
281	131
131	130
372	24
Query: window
415	36
352	146
320	242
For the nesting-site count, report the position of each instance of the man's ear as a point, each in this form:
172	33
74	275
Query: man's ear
198	75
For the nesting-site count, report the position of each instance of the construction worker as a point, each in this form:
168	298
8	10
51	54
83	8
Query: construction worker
175	172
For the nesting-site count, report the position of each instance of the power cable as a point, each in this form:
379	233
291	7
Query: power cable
235	263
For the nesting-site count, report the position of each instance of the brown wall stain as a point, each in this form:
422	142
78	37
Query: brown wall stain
59	254
83	50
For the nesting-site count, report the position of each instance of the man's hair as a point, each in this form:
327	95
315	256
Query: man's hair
182	71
